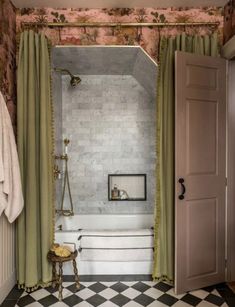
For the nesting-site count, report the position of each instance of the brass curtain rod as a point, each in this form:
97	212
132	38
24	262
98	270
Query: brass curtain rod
118	24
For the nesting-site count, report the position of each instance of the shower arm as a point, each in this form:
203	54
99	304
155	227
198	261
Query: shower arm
64	70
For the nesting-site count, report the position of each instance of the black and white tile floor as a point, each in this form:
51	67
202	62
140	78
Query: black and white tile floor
121	294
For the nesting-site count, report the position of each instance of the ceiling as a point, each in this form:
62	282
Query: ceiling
117	3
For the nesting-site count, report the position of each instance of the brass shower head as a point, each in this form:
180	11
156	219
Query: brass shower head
75	80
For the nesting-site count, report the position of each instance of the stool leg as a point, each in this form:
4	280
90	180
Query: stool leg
76	274
54	274
60	280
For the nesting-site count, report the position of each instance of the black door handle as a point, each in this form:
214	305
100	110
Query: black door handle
181	181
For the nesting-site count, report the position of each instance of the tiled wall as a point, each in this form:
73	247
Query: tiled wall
110	121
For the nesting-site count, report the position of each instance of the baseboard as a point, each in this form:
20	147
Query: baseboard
134	277
7	286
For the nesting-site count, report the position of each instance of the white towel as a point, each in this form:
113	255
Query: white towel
11	197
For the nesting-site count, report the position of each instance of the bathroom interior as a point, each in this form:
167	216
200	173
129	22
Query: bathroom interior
117	153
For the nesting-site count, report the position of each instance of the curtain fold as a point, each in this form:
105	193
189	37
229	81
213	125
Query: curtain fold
164	208
35	147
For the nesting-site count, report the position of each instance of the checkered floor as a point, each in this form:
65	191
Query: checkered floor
126	294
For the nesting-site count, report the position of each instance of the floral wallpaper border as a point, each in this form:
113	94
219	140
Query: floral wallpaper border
8	55
147	37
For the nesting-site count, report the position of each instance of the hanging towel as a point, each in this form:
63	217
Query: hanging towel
11	197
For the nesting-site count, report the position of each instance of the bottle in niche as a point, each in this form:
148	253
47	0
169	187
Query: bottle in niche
115	192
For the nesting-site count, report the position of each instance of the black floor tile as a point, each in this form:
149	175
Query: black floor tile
140	286
9	303
214	299
97	287
73	288
51	289
167	299
191	299
163	287
48	300
96	300
119	287
25	300
14	294
120	300
72	300
143	299
209	289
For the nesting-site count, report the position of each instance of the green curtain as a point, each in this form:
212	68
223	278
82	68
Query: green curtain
164	210
35	148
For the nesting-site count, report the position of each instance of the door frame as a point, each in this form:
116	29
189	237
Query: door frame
230	203
228	52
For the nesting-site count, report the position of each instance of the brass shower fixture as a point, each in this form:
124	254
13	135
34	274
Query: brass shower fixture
75	80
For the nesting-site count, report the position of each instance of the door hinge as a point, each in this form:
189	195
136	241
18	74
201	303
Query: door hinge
226	263
226	181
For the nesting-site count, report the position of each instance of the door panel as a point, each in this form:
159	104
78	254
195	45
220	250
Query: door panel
200	148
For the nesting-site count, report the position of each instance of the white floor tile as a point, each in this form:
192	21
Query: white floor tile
59	304
157	304
87	283
132	304
150	283
41	293
83	304
205	304
200	293
181	304
131	293
35	304
129	283
215	292
108	283
108	293
85	293
154	293
108	304
67	283
65	293
172	293
24	293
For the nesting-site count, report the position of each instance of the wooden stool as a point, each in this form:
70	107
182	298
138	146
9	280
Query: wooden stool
58	279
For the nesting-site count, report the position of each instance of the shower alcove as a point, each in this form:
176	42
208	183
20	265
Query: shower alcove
110	120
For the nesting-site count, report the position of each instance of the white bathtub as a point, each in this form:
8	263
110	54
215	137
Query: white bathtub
134	232
105	221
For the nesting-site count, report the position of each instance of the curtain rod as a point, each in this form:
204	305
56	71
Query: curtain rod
117	24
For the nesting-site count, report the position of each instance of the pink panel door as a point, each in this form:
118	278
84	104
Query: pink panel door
200	163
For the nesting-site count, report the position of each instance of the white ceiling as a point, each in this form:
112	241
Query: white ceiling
117	3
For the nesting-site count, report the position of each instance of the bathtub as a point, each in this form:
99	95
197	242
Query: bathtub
105	221
109	244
